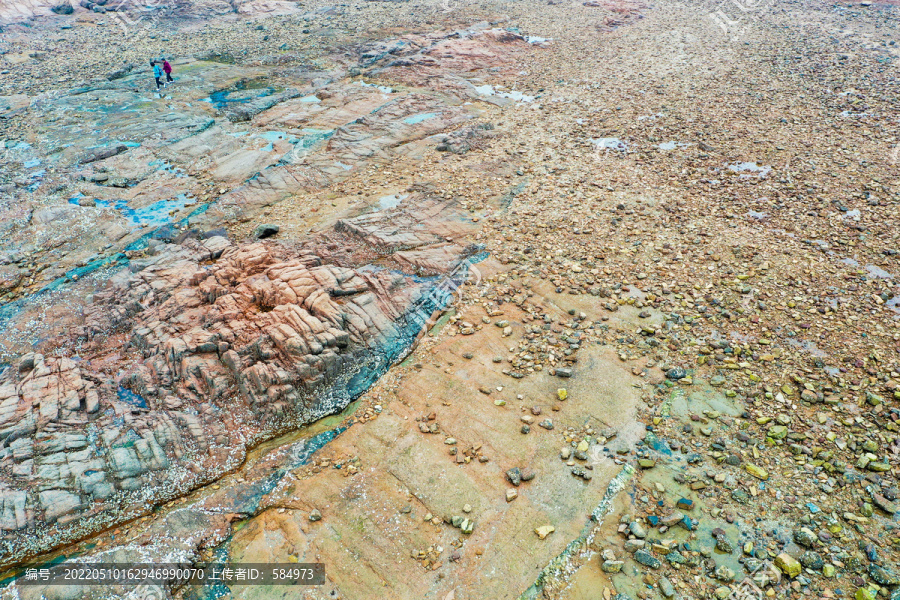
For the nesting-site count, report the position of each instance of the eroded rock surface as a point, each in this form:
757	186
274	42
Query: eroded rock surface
196	353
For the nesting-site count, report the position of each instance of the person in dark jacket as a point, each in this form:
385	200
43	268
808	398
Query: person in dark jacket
168	70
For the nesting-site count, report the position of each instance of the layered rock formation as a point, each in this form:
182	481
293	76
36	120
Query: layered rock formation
194	354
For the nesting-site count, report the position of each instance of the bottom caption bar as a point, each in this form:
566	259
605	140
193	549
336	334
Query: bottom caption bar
175	574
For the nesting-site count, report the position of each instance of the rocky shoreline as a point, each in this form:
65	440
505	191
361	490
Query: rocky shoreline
673	371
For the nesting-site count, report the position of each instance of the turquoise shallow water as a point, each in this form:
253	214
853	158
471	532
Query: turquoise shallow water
154	215
223	98
414	119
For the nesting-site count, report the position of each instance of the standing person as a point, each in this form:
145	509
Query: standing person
157	74
168	69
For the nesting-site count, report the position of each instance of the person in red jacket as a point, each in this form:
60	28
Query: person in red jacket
167	68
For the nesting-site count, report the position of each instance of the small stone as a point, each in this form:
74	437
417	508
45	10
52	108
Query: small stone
805	537
788	565
661	549
757	472
777	432
646	463
809	396
883	576
612	566
637	530
676	373
562	394
468	526
647	559
684	504
511	494
672	518
723	592
315	515
884	504
666	587
724	574
265	230
544	530
811	560
514	476
723	544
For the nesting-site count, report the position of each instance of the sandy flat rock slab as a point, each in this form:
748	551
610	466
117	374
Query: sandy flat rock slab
409	490
430	260
17	11
319	155
414	223
10	105
246	111
268	7
335	105
455	55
